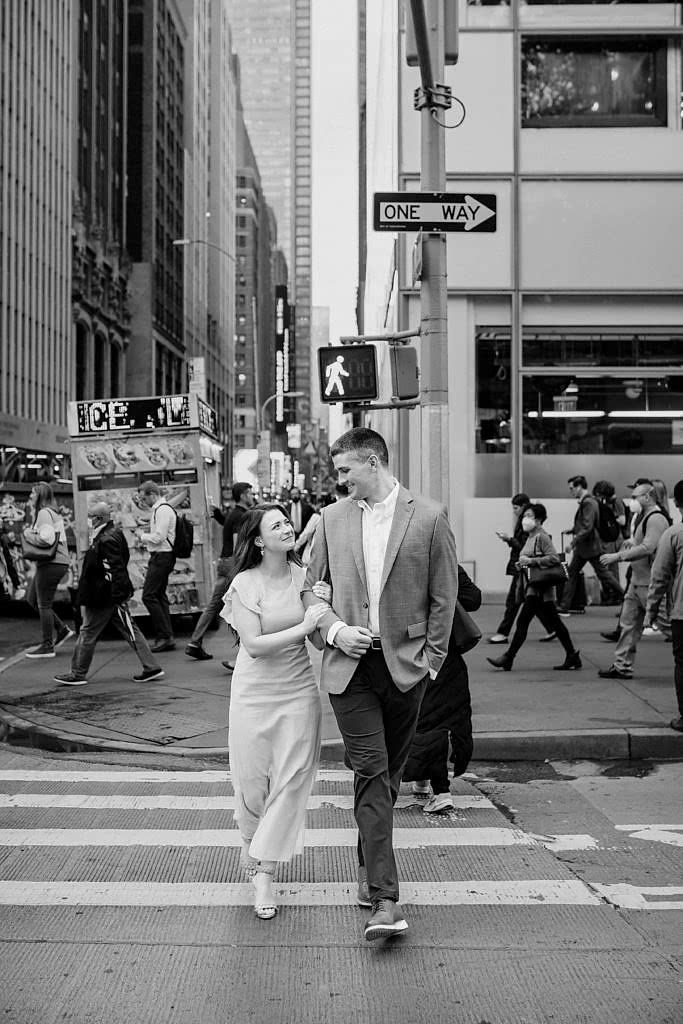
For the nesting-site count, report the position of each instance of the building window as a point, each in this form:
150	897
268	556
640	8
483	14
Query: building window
602	415
493	391
596	82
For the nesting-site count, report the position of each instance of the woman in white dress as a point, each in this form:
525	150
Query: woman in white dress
275	714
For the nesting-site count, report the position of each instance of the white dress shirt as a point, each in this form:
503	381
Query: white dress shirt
162	533
376	526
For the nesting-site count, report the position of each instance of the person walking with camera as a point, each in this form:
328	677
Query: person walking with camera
540	563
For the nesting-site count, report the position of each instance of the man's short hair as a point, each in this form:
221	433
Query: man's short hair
521	499
99	508
362	442
149	487
239	489
678	493
578	481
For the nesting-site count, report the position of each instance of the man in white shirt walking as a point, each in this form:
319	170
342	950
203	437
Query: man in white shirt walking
390	560
159	542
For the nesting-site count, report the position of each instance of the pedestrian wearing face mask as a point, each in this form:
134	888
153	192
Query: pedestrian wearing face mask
639	554
539	600
104	590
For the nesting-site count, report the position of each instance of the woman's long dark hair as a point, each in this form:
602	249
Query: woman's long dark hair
247	552
45	498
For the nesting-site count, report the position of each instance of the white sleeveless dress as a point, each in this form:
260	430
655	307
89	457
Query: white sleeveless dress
274	723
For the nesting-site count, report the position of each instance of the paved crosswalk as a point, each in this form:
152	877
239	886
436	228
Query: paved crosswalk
105	838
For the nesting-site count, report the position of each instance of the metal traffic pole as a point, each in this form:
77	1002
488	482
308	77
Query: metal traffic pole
428	22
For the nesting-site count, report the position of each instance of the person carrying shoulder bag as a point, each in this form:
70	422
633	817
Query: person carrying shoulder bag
48	528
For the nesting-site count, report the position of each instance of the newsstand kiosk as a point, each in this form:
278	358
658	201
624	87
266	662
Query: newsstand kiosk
116	445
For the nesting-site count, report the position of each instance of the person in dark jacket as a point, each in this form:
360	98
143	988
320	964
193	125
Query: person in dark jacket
445	712
586	546
103	591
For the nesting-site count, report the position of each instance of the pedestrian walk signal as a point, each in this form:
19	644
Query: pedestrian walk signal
348	373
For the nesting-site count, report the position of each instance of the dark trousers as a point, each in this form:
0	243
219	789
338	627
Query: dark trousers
677	643
609	581
513	602
41	593
154	595
535	607
224	576
377	722
94	622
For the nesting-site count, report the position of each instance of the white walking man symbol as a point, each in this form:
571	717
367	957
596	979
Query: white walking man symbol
334	373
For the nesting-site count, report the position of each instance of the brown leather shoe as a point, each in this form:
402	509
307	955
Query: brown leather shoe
387	920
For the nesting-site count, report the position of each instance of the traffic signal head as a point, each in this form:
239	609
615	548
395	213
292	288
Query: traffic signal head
405	375
348	373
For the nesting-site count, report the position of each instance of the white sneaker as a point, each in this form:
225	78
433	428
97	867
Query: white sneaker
498	638
438	802
422	788
651	631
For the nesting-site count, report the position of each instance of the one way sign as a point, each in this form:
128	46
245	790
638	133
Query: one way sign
434	211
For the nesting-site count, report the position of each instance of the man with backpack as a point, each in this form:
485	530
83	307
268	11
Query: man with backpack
160	542
103	590
640	555
586	545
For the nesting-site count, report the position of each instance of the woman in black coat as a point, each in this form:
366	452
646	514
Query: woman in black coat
446	712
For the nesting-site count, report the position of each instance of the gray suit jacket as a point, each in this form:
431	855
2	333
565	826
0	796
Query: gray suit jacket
418	591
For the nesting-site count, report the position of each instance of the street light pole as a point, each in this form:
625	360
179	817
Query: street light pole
271	398
203	241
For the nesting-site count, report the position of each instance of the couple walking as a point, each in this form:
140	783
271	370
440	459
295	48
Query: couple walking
379	598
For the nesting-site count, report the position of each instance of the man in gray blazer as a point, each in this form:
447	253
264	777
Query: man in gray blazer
390	560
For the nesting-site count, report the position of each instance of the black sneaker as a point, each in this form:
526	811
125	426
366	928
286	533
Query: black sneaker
69	679
197	651
148	674
63	635
44	651
614	673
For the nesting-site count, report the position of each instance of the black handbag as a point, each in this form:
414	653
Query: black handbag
34	549
466	634
543	579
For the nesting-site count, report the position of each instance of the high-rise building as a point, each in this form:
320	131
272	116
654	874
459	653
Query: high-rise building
100	262
273	42
254	299
565	323
36	179
155	202
209	212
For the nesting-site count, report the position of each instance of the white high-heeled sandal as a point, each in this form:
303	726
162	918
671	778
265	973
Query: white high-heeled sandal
264	906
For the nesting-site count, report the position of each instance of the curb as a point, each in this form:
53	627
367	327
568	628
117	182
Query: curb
593	745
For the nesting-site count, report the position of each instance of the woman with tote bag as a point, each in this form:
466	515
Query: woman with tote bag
541	568
47	533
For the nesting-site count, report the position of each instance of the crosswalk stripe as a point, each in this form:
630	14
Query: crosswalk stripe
529	892
404	838
636	897
151	775
162	801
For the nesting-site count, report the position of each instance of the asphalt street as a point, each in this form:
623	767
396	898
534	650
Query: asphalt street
551	894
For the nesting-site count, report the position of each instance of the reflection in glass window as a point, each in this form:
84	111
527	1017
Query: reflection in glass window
564	347
493	390
593	82
602	415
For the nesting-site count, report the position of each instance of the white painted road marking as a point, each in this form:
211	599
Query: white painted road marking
133	802
544	892
11	775
635	897
404	838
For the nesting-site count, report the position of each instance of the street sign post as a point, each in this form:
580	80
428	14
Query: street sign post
434	211
348	373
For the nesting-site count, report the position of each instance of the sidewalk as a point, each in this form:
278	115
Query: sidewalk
530	713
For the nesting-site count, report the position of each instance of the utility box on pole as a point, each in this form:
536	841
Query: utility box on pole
405	375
